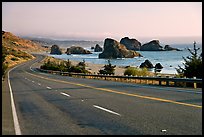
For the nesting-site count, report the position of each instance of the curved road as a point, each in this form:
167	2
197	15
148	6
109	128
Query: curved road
49	104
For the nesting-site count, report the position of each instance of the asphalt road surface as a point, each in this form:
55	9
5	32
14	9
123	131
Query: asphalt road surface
48	104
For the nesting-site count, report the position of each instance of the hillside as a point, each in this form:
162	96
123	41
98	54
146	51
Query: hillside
16	50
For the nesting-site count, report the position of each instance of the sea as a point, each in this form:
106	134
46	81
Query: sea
170	60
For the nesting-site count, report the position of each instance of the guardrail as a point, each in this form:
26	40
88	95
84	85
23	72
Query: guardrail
167	81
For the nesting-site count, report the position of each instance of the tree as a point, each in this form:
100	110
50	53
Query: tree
108	69
193	64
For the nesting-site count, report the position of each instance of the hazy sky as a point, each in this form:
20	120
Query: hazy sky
98	20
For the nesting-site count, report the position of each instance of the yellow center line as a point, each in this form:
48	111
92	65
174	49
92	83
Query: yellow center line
118	92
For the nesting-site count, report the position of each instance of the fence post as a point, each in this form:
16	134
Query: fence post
194	84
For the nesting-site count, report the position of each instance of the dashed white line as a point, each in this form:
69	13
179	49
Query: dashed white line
110	111
48	87
65	94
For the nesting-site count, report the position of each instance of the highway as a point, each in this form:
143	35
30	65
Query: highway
48	104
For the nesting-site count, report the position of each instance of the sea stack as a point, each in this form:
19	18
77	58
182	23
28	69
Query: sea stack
153	45
77	50
98	48
114	49
55	50
131	44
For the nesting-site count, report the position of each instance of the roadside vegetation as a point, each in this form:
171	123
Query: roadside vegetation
192	66
133	71
4	65
109	69
64	66
11	56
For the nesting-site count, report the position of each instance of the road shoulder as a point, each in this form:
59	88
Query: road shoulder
7	118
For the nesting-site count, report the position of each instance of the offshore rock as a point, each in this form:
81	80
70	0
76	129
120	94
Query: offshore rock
55	50
146	64
77	50
98	48
169	48
153	45
131	44
158	66
114	49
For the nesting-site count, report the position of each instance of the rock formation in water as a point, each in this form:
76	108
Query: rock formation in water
98	48
169	48
146	64
77	50
114	49
153	45
131	44
158	66
55	50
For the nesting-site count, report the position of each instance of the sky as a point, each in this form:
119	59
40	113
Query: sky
99	20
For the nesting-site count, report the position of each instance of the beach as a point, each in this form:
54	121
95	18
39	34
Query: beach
94	68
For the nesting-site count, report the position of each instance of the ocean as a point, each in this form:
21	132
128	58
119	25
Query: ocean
168	59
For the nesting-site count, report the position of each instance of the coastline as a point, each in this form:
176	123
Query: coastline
94	68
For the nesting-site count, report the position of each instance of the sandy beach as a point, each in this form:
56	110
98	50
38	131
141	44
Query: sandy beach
94	68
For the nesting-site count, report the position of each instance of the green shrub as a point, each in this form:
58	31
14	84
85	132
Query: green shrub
14	59
65	66
108	69
136	71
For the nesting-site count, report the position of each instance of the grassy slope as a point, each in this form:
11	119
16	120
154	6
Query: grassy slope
17	49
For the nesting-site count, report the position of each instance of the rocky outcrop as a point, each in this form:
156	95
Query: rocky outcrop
55	50
114	49
146	64
98	48
169	48
158	66
153	45
131	44
77	50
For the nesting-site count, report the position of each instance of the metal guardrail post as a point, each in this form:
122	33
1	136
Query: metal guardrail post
184	84
194	84
160	82
167	82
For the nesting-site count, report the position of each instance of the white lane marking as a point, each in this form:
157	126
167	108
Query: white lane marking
64	94
31	68
15	117
163	130
48	87
39	84
110	111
